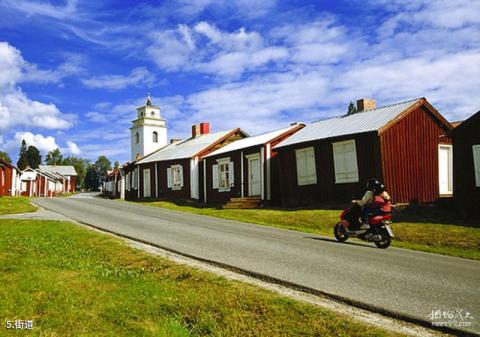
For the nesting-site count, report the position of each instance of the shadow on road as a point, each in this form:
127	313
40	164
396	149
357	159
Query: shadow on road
341	243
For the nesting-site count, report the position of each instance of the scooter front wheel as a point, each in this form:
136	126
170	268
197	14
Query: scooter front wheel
340	233
384	243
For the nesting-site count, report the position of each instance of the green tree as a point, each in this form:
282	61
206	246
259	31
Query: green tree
33	157
5	157
91	181
54	157
116	164
102	165
22	162
351	108
80	166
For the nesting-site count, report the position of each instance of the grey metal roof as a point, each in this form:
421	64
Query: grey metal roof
366	121
252	141
184	149
64	170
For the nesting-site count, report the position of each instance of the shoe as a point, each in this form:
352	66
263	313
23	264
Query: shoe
365	226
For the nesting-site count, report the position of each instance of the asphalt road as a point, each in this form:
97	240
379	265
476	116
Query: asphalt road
405	282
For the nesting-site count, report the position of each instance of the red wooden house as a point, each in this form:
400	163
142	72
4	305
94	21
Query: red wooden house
175	170
466	165
9	177
403	144
245	168
113	184
66	171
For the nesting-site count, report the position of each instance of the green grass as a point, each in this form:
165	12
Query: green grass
74	282
14	205
453	240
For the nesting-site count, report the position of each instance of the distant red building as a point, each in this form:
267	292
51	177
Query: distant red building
8	178
404	145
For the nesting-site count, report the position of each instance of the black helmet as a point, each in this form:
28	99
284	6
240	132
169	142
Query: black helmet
375	185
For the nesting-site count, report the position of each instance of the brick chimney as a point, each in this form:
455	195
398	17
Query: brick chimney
366	104
200	129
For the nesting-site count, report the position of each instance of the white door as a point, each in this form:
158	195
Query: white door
146	183
445	169
254	177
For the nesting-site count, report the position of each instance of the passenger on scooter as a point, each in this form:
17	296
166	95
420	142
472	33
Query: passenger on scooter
376	201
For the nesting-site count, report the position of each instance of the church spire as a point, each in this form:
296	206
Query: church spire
149	102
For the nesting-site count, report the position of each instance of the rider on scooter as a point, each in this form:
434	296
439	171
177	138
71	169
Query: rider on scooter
375	201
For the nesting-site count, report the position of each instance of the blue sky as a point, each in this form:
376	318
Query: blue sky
73	72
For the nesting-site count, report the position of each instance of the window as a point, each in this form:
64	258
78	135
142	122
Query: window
134	180
146	183
306	170
137	137
175	177
476	163
155	136
152	114
345	162
222	174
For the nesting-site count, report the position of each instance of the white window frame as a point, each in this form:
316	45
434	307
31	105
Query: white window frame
476	163
147	188
175	177
303	177
345	177
450	168
225	174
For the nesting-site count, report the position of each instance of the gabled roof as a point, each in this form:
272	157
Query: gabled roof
465	123
186	149
64	170
6	163
261	139
378	119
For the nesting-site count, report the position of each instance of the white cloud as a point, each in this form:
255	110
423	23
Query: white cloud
71	66
97	117
43	144
170	49
36	8
206	49
16	109
73	148
246	8
138	76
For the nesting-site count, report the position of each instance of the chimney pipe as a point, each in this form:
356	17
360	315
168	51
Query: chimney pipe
200	129
366	104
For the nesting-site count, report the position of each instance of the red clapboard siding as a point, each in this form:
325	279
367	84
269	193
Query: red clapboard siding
410	157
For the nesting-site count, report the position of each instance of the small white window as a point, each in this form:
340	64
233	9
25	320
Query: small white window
306	169
476	163
137	137
155	136
345	162
175	177
223	175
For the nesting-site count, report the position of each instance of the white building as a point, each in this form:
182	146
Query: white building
148	131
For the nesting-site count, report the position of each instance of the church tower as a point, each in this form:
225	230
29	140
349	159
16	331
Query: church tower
148	131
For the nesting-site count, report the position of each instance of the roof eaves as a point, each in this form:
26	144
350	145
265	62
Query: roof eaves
231	133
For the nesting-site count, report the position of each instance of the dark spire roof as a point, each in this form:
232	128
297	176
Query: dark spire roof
149	102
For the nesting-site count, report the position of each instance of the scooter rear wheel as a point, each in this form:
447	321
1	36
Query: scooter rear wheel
340	233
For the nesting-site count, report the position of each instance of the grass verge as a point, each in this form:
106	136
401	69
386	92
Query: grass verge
453	240
14	205
74	282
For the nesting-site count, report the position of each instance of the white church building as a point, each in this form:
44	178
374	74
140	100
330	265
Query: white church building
148	131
